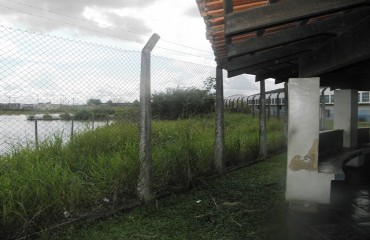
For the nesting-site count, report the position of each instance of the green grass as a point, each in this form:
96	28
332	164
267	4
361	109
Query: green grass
39	185
245	204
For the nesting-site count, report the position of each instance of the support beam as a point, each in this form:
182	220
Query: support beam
219	141
277	53
144	187
286	112
354	77
331	26
255	67
349	48
288	72
304	183
323	111
262	120
345	115
284	12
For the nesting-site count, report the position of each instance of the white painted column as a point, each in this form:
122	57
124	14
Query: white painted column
345	115
304	183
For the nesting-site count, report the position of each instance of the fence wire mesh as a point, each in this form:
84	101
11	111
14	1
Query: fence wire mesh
69	123
47	78
62	87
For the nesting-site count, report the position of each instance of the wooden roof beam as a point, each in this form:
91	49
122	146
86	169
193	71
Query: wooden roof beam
284	12
348	48
333	25
276	53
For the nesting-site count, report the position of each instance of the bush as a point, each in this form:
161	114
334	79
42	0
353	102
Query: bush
83	115
181	103
65	116
47	117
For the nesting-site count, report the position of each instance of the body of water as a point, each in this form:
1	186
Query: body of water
16	130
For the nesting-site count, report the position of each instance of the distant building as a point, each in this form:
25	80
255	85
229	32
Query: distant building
13	106
275	100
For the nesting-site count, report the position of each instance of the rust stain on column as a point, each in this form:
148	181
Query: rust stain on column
308	162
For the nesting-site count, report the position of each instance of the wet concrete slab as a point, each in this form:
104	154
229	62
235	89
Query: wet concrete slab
347	217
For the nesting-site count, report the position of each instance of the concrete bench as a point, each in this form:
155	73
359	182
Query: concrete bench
333	157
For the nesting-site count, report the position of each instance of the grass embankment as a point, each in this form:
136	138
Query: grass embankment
245	204
39	186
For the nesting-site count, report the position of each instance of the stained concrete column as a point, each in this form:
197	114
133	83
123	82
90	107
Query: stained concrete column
304	183
345	115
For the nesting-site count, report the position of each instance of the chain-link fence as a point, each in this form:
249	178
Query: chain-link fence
69	114
54	87
53	81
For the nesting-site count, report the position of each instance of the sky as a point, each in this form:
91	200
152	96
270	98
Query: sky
121	24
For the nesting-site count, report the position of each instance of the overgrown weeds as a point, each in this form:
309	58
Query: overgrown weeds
99	169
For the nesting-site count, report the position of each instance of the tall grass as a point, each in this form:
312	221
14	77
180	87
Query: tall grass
99	169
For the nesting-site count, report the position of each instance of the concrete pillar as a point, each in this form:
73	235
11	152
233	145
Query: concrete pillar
345	115
144	186
219	136
304	183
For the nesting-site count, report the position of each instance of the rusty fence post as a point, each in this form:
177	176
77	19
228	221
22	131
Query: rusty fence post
144	187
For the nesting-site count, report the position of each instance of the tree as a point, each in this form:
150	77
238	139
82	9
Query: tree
210	85
93	101
181	103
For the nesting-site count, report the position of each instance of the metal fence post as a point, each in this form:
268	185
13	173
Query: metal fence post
219	141
262	122
36	134
286	104
323	110
72	129
278	106
145	149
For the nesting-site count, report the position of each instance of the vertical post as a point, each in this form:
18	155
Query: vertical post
247	111
93	121
219	141
323	110
36	134
72	129
237	105
242	105
269	107
346	115
278	106
286	112
253	104
145	146
304	183
262	122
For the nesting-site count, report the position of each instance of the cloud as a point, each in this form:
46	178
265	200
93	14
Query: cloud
40	16
128	23
192	12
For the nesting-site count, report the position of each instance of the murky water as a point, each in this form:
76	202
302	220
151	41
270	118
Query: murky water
16	130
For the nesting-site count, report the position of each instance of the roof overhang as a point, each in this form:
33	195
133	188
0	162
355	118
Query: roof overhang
292	38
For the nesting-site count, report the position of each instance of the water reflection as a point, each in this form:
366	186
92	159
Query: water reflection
16	130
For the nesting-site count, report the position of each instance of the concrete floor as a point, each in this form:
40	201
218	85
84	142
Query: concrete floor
347	217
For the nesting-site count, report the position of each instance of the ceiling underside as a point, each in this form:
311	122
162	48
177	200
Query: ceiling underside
286	39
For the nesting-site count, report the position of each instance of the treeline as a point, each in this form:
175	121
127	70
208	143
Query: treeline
182	103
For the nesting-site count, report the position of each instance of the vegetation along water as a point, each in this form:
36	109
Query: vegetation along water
99	169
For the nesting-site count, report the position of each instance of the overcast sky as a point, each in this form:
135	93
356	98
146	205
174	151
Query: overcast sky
126	24
174	20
